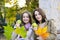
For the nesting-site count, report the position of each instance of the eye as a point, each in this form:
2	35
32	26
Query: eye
23	16
39	14
27	17
35	14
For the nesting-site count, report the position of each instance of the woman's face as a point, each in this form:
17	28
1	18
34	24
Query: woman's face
25	18
38	16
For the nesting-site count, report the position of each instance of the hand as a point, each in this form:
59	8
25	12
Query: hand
40	38
16	39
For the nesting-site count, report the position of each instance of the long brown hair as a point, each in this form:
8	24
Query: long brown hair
41	13
29	14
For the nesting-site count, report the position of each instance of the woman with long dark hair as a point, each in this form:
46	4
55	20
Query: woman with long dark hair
42	22
27	21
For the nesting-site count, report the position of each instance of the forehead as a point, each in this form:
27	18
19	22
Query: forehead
25	14
36	12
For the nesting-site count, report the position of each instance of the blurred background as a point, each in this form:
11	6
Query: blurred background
11	10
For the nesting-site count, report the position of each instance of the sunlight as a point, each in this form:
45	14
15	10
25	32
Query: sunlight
8	5
20	3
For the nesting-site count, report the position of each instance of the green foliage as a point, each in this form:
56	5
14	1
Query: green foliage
8	32
11	12
32	4
21	31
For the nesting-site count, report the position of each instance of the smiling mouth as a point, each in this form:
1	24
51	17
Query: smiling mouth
38	18
26	20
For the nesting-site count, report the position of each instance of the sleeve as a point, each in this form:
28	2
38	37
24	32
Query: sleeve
14	27
52	30
29	34
14	36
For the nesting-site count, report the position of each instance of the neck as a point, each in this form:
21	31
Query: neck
40	22
27	23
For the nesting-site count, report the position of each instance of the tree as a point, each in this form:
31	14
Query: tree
11	12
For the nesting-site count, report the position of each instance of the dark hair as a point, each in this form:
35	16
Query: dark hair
41	13
28	15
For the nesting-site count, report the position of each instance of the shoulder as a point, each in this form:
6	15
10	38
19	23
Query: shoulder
51	21
51	24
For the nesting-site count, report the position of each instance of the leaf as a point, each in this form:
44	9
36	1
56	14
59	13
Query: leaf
38	31
44	30
8	31
45	35
21	31
17	30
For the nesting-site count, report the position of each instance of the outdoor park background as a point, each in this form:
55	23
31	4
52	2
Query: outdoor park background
10	9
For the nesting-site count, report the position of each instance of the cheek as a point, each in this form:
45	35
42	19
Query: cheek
23	19
41	17
28	19
38	17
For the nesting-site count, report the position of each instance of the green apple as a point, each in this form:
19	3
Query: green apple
19	21
34	25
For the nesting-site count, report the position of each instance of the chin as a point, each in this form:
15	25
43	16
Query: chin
39	20
26	22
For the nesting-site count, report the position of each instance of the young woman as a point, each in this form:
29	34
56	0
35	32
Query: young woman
41	21
14	35
27	21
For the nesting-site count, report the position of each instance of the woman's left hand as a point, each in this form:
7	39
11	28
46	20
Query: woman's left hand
40	38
